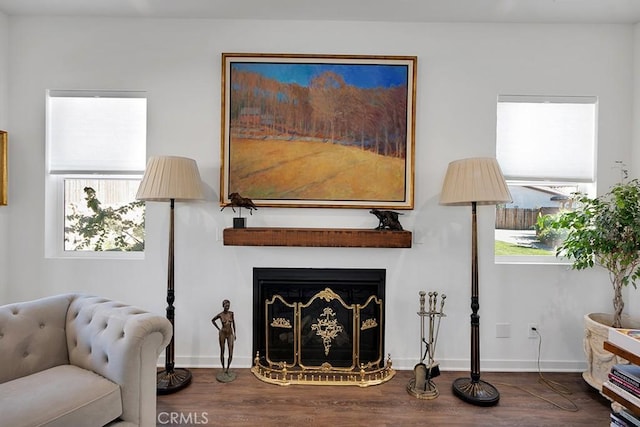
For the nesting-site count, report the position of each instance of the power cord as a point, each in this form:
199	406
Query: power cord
554	386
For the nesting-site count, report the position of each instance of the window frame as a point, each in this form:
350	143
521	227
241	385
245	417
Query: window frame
54	226
588	187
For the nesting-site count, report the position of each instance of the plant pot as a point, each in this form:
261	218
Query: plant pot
600	361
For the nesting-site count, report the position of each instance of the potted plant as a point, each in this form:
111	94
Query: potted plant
604	231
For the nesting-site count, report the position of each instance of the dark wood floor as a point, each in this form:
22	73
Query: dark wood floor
248	401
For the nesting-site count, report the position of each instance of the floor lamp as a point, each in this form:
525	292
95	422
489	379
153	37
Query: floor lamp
474	181
168	179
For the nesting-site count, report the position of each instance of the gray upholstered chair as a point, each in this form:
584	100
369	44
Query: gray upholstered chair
79	360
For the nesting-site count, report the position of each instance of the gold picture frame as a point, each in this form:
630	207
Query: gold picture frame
4	167
318	130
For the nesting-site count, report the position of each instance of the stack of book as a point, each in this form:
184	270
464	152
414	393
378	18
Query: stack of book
623	418
624	379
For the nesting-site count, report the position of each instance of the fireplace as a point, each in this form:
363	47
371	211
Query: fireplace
319	326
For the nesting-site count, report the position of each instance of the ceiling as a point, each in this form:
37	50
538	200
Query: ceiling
513	11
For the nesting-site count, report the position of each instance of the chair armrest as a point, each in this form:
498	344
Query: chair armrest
121	343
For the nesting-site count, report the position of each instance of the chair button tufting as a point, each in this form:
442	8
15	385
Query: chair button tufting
41	325
25	354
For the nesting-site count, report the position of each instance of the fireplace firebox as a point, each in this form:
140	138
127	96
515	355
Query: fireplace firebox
319	326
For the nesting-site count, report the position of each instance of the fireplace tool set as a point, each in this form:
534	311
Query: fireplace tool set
422	386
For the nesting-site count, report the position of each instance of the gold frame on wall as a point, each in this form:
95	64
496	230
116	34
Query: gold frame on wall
318	130
4	167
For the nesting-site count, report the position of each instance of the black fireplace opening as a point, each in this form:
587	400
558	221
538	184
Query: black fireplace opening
274	335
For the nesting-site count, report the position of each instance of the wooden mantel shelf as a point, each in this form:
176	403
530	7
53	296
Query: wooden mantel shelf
317	237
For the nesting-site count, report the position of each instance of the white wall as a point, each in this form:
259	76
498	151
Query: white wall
4	121
461	70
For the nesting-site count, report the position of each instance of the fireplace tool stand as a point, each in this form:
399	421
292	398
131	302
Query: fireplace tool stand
422	386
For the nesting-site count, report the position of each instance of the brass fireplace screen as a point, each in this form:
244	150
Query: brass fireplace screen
323	341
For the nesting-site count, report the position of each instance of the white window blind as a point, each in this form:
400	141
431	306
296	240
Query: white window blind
96	132
547	138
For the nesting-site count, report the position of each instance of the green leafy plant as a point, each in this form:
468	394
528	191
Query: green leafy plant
605	231
117	229
546	233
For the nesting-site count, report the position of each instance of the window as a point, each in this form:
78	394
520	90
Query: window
546	147
96	153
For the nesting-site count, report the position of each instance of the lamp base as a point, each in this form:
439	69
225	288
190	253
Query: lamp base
168	382
478	392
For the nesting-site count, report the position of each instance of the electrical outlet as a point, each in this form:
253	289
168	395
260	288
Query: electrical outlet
531	330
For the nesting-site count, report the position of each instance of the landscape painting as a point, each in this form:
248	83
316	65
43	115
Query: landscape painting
318	130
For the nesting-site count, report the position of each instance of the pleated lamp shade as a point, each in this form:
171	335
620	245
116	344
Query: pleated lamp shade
170	177
474	180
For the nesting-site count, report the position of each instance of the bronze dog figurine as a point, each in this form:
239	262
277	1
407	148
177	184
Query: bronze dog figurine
388	220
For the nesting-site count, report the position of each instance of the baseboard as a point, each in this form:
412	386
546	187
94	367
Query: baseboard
407	364
516	365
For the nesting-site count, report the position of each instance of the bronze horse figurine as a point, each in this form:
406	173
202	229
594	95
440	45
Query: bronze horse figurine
237	201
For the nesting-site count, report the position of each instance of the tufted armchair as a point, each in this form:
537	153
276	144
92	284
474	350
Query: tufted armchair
79	360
